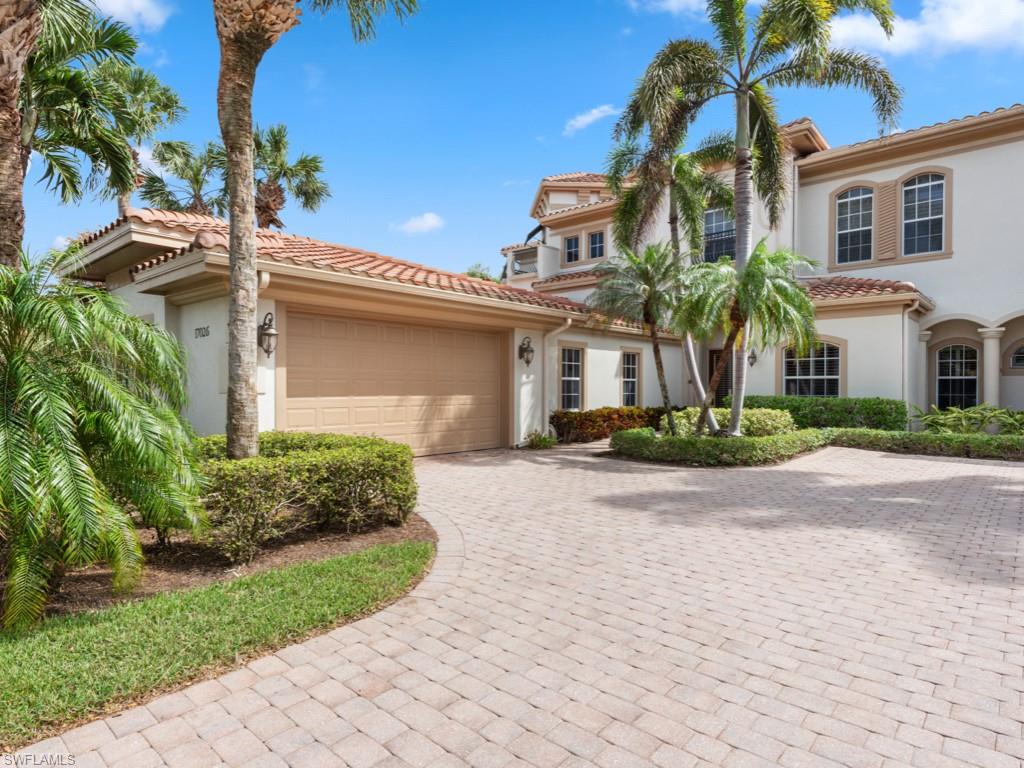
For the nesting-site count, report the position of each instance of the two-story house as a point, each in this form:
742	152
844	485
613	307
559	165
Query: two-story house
918	291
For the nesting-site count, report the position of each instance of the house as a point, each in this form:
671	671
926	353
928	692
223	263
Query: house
918	297
918	292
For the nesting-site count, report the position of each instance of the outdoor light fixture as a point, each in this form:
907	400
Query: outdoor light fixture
266	334
526	350
752	357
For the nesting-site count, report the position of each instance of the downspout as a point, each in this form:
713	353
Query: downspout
907	365
546	378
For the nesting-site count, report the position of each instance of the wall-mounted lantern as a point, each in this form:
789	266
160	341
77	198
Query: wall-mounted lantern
266	334
526	350
752	357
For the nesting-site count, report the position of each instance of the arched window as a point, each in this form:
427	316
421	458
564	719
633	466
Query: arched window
956	376
1017	358
924	211
854	225
814	374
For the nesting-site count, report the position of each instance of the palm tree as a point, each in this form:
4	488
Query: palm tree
196	176
90	432
146	106
787	44
641	288
641	177
276	175
247	29
765	297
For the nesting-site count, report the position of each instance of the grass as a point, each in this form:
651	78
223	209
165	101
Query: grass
71	667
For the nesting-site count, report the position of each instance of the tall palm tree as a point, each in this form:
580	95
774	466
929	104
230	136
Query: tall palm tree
196	183
277	177
765	298
641	288
247	29
146	107
641	178
90	432
787	44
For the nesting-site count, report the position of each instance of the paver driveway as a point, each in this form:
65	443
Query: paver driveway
847	608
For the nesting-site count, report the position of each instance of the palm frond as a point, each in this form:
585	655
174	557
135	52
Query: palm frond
771	151
363	14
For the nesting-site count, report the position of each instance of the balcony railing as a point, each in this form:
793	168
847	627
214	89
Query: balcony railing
719	244
524	267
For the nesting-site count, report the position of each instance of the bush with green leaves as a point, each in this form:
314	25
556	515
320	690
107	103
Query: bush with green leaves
301	480
978	445
965	421
538	440
90	434
708	451
755	422
599	423
808	412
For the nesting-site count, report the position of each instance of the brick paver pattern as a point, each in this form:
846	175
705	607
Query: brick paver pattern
845	609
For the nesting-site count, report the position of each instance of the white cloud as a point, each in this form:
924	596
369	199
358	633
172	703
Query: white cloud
148	15
940	27
626	31
591	116
418	225
146	159
60	242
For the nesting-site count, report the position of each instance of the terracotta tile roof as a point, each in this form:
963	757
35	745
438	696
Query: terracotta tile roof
582	176
828	288
581	206
520	246
563	277
209	233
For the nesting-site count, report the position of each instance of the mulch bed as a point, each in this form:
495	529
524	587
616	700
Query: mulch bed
186	564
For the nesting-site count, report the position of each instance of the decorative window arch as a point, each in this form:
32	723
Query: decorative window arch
815	373
1017	358
924	213
957	368
855	226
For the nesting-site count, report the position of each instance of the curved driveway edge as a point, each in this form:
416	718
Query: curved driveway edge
845	609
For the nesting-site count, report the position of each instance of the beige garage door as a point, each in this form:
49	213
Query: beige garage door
437	389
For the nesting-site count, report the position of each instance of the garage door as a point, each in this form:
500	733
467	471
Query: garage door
437	389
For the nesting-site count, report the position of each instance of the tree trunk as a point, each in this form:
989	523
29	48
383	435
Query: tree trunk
239	59
744	209
716	376
20	24
688	350
659	366
124	202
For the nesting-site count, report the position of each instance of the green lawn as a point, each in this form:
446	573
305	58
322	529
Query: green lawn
70	667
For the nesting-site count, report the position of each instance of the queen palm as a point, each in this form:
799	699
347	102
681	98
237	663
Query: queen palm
278	178
642	177
193	182
641	287
786	44
765	298
247	29
90	432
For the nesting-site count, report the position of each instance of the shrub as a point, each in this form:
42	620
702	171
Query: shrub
756	422
597	424
808	412
538	440
965	421
716	451
306	479
281	443
974	446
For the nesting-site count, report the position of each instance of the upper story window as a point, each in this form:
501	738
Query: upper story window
571	249
956	377
719	234
854	225
595	245
924	210
814	374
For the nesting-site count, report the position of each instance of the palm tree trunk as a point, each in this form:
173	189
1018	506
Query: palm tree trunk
688	350
744	208
124	202
20	25
716	376
659	366
234	109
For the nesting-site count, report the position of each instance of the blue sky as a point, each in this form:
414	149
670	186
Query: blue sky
435	134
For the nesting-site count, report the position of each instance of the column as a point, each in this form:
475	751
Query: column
990	354
923	381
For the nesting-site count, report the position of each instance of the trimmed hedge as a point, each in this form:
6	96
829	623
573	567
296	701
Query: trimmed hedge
599	423
971	446
755	422
808	412
304	479
716	451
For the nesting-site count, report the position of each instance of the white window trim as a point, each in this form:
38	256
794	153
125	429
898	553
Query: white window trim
590	245
582	378
871	228
838	377
976	378
638	354
912	183
565	249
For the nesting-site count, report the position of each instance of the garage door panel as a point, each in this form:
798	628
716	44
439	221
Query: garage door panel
436	389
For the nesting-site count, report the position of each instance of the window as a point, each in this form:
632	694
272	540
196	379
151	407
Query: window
815	374
631	378
719	234
957	377
924	200
1017	358
854	226
572	249
595	245
571	396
